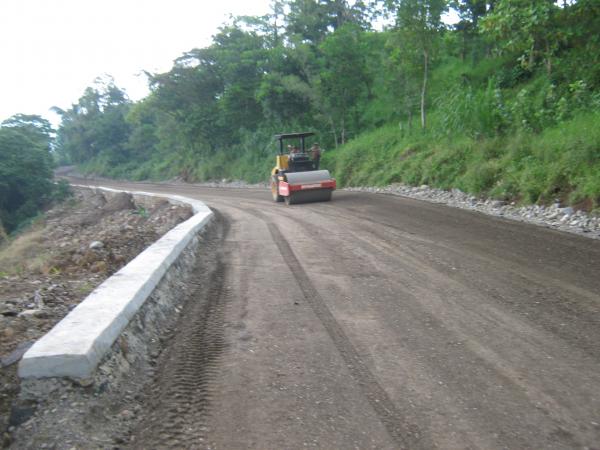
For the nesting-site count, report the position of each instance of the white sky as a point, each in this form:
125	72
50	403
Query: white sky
51	50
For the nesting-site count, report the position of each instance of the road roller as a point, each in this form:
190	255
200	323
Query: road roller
296	177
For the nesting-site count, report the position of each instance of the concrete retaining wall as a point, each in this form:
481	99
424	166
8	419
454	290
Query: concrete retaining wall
76	345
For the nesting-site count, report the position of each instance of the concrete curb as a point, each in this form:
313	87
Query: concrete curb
77	344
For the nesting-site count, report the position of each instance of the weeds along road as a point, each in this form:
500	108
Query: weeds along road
381	322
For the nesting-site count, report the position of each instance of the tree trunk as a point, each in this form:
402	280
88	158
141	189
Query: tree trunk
333	130
548	59
532	57
424	88
343	132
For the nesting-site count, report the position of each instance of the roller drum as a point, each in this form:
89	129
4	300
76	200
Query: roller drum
313	176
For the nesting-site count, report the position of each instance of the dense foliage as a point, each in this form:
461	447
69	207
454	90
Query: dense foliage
504	102
25	169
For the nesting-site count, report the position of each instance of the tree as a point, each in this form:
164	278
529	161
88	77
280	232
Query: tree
95	125
25	170
470	13
344	80
311	21
402	74
35	127
242	58
419	24
143	123
285	98
526	27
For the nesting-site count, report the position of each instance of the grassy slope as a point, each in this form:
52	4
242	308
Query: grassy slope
560	162
481	139
25	252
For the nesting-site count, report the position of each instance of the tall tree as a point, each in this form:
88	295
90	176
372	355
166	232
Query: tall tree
95	124
419	24
344	80
527	27
310	21
25	169
470	13
402	75
35	127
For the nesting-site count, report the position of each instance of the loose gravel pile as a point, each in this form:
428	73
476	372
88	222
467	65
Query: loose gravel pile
553	216
225	183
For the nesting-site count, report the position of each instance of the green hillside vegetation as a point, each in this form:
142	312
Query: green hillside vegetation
25	171
504	103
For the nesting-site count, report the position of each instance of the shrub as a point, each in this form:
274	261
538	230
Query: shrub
62	191
25	177
480	178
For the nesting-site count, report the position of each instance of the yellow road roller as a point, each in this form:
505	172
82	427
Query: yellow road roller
296	177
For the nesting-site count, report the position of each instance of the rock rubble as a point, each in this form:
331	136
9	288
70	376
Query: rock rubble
225	183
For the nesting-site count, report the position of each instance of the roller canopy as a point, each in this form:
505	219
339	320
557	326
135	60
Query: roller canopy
293	135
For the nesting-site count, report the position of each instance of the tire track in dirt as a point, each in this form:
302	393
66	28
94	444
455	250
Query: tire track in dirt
406	435
481	356
569	302
179	400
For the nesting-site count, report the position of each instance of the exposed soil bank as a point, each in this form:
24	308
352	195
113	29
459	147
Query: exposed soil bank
47	270
101	412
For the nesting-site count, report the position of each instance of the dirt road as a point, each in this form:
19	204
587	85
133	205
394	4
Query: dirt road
382	322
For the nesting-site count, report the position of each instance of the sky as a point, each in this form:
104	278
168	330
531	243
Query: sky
51	50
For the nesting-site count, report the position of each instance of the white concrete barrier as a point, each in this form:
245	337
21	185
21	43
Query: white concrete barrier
77	344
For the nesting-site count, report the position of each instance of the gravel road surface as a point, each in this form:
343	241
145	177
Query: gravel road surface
381	322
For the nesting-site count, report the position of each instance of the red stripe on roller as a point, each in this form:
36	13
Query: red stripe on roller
329	184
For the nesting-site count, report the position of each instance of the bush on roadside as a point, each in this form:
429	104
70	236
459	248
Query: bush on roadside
25	176
62	191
